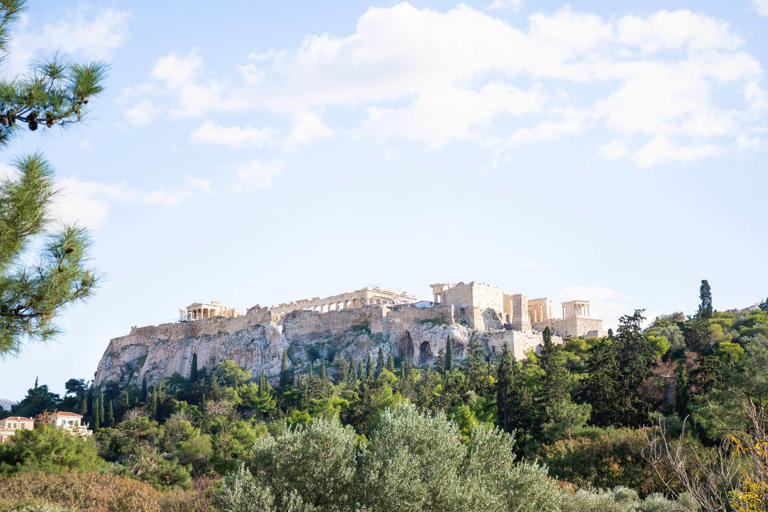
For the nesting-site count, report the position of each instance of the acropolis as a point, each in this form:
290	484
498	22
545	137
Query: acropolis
488	307
353	325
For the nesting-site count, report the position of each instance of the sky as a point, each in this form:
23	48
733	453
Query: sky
262	152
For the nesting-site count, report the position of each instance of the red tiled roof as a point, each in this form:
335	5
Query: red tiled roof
17	418
65	413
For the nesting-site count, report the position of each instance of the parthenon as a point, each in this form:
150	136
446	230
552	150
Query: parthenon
367	296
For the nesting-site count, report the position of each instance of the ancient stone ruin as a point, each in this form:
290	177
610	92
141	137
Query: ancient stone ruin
350	325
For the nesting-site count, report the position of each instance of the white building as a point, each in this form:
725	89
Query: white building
9	426
71	422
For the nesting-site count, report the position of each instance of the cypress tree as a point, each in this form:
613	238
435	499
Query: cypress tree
391	363
284	377
380	363
476	367
154	402
360	371
96	418
555	385
262	382
705	294
193	376
369	367
144	390
406	377
448	366
323	372
109	420
681	393
504	390
84	406
101	408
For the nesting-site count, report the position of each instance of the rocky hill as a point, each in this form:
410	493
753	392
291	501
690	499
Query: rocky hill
257	340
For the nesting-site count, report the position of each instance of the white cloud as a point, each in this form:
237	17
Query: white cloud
661	149
141	114
7	172
614	150
87	203
307	127
257	174
232	136
439	116
760	7
530	265
176	72
511	5
435	77
81	33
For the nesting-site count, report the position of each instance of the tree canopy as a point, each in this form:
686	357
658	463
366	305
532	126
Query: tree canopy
54	93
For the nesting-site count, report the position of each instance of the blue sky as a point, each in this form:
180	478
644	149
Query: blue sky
263	152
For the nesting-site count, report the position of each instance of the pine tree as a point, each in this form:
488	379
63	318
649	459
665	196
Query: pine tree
705	294
391	363
342	368
448	364
193	376
285	379
615	370
52	93
109	419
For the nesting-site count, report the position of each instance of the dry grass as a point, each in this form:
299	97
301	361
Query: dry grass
102	492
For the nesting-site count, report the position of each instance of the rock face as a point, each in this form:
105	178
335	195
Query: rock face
257	340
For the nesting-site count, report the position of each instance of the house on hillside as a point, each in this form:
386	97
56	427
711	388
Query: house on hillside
9	426
70	422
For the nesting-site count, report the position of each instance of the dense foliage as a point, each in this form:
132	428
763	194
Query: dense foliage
481	433
53	93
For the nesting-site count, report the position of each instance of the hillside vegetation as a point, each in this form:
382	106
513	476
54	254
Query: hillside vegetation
666	418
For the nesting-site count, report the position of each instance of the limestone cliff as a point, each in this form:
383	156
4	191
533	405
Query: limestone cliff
257	340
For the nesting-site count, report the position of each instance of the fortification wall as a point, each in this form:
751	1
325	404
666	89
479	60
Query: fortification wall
404	318
299	323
